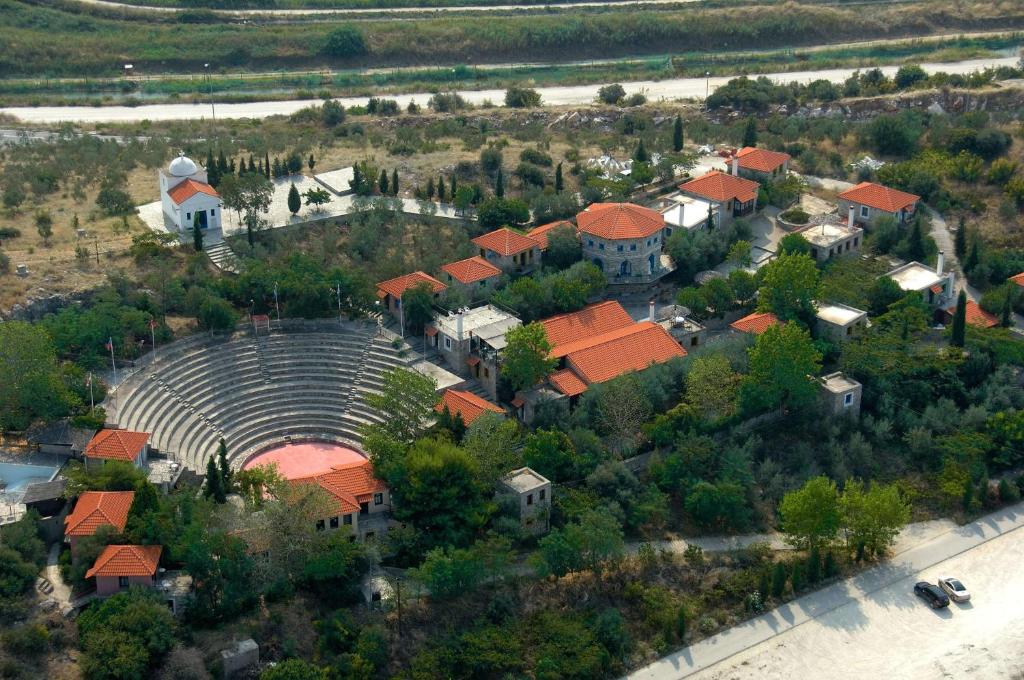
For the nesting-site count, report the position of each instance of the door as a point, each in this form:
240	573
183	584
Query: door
201	215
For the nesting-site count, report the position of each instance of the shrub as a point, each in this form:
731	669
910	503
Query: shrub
5	263
344	41
611	94
31	639
795	216
707	625
535	156
521	97
1008	491
446	102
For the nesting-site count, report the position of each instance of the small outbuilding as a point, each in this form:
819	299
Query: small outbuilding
534	494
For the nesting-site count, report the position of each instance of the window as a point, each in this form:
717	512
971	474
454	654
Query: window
188	216
656	238
543	493
320	525
621	248
632	246
347	520
483	284
848	400
863	211
369	534
487	372
849	331
855	240
529	499
212	213
122	581
648	243
334	522
447	343
600	246
378	499
590	242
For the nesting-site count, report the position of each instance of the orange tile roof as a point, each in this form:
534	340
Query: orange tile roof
976	316
348	485
540	234
623	350
468	404
99	508
126	560
1018	279
761	160
567	382
565	330
755	323
879	197
619	221
720	187
396	287
471	270
116	445
506	242
189	188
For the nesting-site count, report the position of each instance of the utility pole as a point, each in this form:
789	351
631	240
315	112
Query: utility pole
277	307
213	111
707	89
338	291
152	331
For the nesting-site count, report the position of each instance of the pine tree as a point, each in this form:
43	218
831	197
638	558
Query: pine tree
559	182
311	162
440	188
266	164
956	337
677	134
750	132
294	200
213	488
225	467
394	182
960	240
197	233
778	580
430	189
640	155
383	182
499	184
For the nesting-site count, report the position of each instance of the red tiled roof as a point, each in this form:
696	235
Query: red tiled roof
518	402
623	350
1018	279
879	197
619	221
761	160
567	382
540	234
567	329
755	323
471	270
430	331
99	508
937	288
468	404
348	485
472	361
976	316
720	187
116	445
396	287
189	188
506	242
126	560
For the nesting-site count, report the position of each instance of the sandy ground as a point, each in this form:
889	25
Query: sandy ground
872	626
677	88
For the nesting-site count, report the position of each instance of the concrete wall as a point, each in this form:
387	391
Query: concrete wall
108	585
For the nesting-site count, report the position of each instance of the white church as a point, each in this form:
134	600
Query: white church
186	196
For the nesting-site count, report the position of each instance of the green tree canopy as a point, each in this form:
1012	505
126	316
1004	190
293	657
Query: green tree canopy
344	41
31	382
789	285
526	360
406	403
811	514
873	515
782	361
418	307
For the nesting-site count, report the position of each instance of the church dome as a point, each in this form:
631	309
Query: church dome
182	166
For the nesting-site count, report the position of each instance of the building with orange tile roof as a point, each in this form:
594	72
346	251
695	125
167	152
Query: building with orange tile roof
509	250
474	275
755	323
762	165
466	404
95	509
566	329
540	234
186	197
624	240
871	201
121	445
623	351
976	316
731	195
1018	279
120	566
357	500
390	292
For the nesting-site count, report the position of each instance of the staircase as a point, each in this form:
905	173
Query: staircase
222	256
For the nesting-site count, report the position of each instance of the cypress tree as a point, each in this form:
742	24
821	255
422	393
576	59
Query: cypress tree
453	187
311	162
973	257
641	155
383	182
357	178
681	623
231	166
266	164
956	338
212	172
222	162
278	170
499	184
252	164
458	427
1006	313
750	132
559	182
213	488
915	242
968	497
394	182
831	568
677	134
430	188
294	200
440	188
798	577
778	580
764	584
813	566
960	240
197	233
225	468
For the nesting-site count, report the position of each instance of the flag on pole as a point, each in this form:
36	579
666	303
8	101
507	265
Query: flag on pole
88	380
152	324
110	345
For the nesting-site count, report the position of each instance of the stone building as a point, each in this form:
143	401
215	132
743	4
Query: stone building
841	395
624	241
533	493
871	201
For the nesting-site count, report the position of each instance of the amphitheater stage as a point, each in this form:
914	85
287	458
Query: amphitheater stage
304	459
442	376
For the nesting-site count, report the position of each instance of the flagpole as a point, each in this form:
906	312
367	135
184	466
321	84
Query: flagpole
152	331
113	364
92	399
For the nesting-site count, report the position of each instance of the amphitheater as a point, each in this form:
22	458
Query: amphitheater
306	380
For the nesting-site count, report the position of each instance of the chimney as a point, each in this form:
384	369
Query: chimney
735	165
650	309
458	326
849	217
939	265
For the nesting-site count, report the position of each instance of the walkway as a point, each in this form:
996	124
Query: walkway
60	594
840	615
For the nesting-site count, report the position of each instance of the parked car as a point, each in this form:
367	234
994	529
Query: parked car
956	590
931	594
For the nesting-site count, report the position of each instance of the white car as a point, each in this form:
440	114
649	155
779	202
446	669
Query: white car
956	590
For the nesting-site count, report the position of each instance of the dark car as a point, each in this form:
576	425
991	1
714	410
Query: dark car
931	594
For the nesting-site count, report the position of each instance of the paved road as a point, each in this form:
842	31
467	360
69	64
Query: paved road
677	88
873	627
